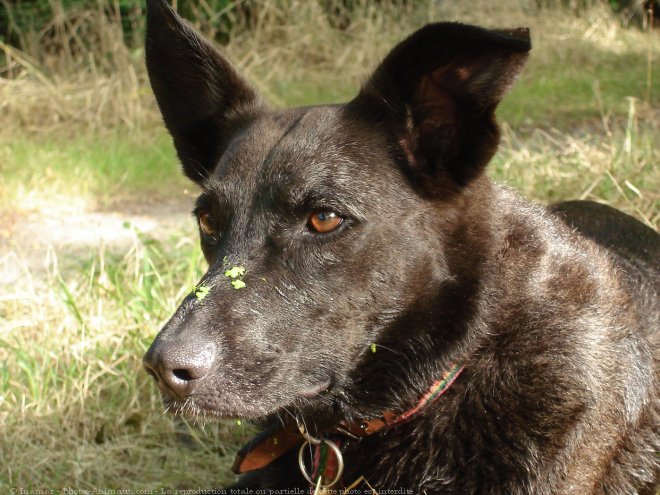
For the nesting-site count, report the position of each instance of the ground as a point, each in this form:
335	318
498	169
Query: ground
30	242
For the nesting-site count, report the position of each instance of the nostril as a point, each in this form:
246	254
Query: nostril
183	374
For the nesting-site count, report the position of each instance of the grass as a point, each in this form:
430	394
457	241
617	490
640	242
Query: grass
617	166
75	407
101	169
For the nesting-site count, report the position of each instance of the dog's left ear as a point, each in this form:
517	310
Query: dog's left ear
200	94
435	94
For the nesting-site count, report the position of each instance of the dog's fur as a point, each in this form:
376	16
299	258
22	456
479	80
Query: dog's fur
434	263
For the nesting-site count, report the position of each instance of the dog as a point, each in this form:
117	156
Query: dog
375	299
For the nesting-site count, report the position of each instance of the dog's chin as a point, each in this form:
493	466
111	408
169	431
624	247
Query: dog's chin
311	398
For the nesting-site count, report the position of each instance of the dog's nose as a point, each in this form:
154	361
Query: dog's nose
178	367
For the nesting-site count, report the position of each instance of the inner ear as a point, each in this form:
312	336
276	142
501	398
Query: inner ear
435	106
456	129
436	117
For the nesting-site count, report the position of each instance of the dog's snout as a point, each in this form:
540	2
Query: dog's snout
178	367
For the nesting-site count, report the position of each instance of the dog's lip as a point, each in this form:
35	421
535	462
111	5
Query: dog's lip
178	407
317	390
202	407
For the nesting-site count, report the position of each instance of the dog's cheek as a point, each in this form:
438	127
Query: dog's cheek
267	342
403	261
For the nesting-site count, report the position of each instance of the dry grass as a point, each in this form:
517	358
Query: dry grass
77	120
294	54
616	164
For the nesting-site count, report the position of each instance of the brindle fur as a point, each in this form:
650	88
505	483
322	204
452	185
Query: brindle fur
554	312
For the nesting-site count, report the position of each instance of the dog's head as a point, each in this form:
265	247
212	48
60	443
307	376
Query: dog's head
326	229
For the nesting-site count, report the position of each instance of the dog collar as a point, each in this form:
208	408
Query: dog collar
277	440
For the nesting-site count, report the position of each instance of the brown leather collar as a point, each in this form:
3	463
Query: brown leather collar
277	440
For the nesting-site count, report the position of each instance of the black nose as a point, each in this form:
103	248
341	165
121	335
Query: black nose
179	367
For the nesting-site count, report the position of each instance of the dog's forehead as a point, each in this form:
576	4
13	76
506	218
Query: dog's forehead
289	146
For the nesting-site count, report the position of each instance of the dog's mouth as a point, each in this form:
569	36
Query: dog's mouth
251	408
318	390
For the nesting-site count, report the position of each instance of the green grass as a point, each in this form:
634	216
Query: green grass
76	409
562	90
557	89
103	168
301	92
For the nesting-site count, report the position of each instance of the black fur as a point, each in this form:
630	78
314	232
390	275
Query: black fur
434	262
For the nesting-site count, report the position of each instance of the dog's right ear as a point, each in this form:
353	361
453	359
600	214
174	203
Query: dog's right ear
435	96
198	91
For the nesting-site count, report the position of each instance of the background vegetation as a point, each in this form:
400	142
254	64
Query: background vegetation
82	149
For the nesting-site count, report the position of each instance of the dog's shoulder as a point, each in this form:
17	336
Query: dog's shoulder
579	240
568	352
571	292
628	239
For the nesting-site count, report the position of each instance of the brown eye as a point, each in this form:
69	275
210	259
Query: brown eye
206	223
325	221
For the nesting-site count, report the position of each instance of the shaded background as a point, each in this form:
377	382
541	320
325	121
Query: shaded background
96	243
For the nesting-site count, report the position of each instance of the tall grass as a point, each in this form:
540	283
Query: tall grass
92	87
80	71
78	123
616	165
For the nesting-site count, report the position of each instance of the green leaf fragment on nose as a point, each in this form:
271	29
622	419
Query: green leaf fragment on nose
373	348
201	292
235	272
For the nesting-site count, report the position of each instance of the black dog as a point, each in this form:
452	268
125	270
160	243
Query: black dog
367	279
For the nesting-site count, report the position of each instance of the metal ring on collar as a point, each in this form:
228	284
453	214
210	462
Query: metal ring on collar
340	463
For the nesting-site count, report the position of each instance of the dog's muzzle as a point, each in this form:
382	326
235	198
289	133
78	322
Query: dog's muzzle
179	367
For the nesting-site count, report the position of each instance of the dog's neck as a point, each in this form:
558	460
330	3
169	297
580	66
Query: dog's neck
436	331
278	440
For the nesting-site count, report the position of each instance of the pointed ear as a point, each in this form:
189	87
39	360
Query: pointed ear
436	94
199	93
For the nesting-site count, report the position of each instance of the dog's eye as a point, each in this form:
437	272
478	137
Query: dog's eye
206	223
324	221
